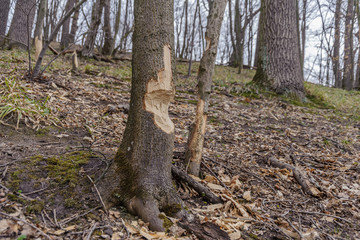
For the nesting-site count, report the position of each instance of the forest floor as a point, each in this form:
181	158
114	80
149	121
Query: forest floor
70	125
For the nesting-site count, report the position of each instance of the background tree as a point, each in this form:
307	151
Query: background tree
279	67
89	45
109	40
38	33
206	70
140	176
74	24
348	77
336	55
65	35
4	15
22	23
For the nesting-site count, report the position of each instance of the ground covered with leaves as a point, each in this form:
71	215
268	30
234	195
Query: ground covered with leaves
58	135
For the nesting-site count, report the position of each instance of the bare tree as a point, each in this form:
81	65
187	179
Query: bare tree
205	73
279	67
140	176
4	15
109	40
348	77
22	22
65	35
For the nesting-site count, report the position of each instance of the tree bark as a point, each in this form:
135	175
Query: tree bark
140	176
109	40
336	54
21	25
89	45
279	67
186	3
4	15
117	23
206	69
65	35
348	77
74	25
357	78
38	34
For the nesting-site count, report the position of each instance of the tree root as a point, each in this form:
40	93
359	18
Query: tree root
202	190
299	176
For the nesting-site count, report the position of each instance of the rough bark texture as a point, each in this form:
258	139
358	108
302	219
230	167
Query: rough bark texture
348	76
109	40
21	25
4	14
65	34
357	78
279	67
88	49
336	54
74	25
206	69
140	176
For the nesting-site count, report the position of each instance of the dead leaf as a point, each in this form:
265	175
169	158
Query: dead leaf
247	195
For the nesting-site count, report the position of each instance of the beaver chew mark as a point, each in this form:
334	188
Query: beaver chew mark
159	93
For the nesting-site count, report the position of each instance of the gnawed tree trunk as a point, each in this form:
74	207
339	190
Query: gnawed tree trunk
279	67
89	45
348	76
4	15
206	69
38	34
21	24
65	34
109	40
140	176
336	54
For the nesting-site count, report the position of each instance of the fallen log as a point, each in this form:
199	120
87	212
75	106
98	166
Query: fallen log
202	190
299	176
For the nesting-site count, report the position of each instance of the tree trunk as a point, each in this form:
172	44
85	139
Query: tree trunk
336	55
88	48
65	35
206	69
38	34
117	23
4	15
109	40
74	25
303	32
186	3
21	25
357	79
348	77
140	176
279	67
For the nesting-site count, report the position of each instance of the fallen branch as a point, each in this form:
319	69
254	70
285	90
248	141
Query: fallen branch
299	176
202	190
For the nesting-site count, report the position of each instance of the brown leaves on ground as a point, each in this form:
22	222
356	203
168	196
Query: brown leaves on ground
260	201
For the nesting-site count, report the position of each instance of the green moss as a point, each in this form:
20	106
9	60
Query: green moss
172	209
8	209
167	223
34	206
192	101
42	132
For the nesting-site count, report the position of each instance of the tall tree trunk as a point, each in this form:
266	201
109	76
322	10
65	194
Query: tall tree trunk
357	79
186	3
348	77
140	176
74	24
303	31
239	36
205	73
65	35
117	23
279	68
109	40
4	15
192	41
336	54
38	34
22	22
89	45
233	42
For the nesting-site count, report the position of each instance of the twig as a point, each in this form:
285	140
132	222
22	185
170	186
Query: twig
323	214
76	216
36	191
212	173
98	193
4	173
20	194
261	180
91	231
55	219
30	224
51	221
293	227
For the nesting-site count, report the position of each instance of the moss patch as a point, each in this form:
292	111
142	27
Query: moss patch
167	223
